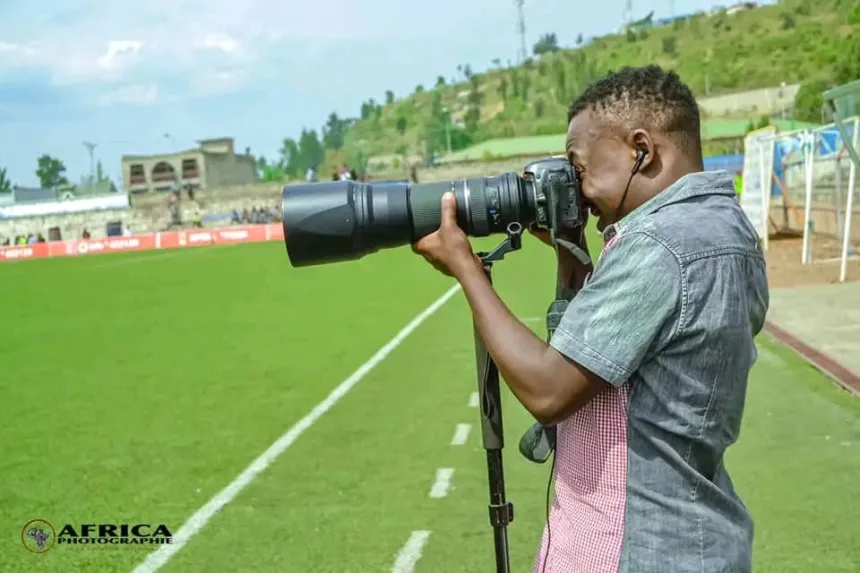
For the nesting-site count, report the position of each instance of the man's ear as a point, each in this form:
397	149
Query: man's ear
641	141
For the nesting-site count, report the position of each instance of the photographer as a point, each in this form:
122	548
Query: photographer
645	376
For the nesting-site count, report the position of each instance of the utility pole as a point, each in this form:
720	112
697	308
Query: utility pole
91	148
521	28
627	15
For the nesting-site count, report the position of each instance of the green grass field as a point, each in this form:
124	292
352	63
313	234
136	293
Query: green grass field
134	388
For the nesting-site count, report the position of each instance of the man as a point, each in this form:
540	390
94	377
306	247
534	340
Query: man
645	375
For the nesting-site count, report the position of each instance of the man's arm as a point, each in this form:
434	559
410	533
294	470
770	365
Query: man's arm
538	375
604	335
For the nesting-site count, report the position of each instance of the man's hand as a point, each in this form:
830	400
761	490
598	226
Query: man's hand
448	249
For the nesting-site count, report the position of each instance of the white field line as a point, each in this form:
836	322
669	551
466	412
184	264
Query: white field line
443	483
533	318
473	400
201	517
411	552
156	256
461	434
159	255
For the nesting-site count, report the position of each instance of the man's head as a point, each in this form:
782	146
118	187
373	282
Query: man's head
642	120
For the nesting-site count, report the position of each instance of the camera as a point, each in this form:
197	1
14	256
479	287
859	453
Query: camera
345	220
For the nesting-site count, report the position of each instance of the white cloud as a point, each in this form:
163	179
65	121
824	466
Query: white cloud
85	41
214	82
118	54
10	49
135	94
215	41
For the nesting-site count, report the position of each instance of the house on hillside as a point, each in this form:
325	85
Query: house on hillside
741	7
672	19
213	164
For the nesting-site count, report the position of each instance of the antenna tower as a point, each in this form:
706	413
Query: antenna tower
521	28
91	147
627	15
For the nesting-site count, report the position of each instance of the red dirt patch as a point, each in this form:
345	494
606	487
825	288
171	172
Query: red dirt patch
784	268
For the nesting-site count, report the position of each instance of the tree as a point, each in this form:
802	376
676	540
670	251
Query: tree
401	125
579	39
333	132
419	89
848	67
311	151
389	97
51	172
559	76
670	46
291	158
808	101
503	88
547	44
473	110
440	81
270	172
5	184
525	85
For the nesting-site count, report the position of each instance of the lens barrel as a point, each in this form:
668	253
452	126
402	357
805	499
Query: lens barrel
345	220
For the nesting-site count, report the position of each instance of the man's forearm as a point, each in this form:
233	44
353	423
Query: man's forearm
516	350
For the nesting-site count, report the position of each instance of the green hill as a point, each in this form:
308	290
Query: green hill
812	42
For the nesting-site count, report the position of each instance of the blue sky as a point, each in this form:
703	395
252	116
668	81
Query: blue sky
122	74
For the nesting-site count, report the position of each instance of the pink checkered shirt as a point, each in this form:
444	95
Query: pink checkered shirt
587	517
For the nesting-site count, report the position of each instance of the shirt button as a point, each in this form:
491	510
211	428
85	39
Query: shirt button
608	233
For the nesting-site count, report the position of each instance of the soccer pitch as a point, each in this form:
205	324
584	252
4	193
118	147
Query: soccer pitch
136	388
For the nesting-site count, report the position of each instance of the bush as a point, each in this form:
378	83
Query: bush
808	102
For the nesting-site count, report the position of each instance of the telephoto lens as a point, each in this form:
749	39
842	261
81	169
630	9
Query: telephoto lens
338	221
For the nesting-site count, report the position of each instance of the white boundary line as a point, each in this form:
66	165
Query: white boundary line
411	552
201	517
442	483
474	399
461	434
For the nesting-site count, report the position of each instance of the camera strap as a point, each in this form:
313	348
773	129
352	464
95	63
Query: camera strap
538	442
575	250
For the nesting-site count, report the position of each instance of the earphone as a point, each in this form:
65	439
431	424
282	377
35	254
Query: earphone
640	157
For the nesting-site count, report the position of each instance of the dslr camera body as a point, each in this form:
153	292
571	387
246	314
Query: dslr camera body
559	192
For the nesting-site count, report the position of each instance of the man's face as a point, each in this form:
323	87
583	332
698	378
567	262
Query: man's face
603	161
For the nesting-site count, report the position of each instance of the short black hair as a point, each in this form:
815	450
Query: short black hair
646	95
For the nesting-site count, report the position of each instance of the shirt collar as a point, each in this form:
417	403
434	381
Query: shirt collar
690	185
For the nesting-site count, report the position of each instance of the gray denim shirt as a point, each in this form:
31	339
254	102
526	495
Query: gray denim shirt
668	319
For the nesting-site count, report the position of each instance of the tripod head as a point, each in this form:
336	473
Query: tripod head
513	242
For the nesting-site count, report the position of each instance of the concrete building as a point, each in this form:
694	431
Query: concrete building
213	164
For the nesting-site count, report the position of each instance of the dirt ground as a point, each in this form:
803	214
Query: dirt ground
784	268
